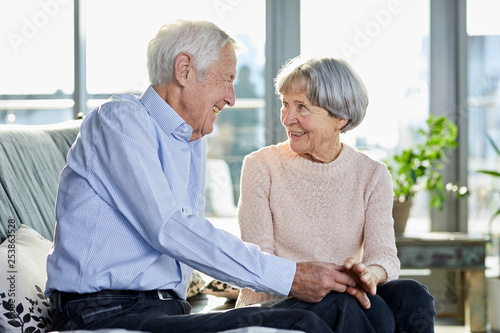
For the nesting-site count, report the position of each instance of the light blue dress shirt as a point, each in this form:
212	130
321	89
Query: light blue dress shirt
130	209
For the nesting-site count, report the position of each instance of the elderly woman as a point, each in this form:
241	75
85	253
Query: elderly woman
314	197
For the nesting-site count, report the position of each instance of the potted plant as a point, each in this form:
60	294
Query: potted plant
493	282
417	168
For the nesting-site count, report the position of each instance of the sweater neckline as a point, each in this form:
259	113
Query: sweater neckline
330	169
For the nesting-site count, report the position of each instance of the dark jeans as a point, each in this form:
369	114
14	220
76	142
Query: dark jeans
412	305
113	310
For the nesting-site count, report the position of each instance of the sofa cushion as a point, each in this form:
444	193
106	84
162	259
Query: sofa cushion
24	307
31	159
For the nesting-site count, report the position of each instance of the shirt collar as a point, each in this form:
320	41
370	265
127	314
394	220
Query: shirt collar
166	117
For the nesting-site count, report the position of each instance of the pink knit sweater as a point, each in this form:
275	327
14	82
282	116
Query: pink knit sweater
306	211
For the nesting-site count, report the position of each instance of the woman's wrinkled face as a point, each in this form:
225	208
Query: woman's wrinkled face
311	130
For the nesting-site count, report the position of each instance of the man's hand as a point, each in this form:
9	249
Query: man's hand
314	280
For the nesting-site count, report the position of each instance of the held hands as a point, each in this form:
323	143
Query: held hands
314	280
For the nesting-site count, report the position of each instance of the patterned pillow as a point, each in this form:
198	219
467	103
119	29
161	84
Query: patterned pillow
24	307
221	289
195	284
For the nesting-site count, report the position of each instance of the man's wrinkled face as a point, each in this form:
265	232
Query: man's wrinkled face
212	94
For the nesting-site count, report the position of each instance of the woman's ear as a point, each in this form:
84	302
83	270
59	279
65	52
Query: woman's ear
183	68
341	123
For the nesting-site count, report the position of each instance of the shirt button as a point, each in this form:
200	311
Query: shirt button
185	129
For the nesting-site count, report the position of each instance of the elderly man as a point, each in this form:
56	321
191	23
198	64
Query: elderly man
130	225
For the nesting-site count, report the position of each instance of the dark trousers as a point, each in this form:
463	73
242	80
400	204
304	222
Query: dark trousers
113	310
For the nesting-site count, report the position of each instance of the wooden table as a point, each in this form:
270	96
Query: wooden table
458	251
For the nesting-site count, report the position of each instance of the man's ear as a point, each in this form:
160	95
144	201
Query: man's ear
183	68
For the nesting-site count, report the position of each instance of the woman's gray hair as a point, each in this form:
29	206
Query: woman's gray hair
329	83
202	39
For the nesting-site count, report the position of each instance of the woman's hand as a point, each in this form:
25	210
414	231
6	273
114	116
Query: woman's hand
367	278
360	296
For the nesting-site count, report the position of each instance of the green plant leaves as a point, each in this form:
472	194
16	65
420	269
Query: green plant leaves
418	168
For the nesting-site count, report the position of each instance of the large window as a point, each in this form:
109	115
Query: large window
386	42
483	30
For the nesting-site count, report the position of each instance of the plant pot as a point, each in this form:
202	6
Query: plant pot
494	303
400	213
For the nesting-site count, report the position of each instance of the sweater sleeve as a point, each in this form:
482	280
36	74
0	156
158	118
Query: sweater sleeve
250	297
254	217
379	240
254	212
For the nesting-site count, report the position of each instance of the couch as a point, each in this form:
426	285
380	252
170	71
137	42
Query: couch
31	158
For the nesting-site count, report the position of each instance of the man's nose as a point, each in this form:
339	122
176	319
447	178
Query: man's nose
230	96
